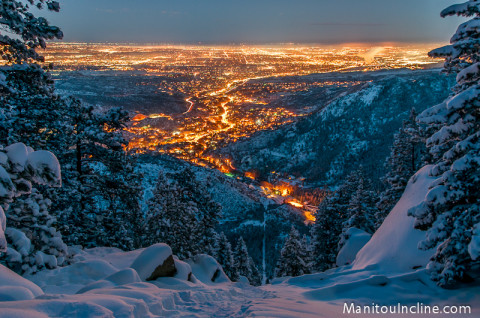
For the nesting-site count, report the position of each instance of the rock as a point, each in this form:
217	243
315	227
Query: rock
167	269
154	262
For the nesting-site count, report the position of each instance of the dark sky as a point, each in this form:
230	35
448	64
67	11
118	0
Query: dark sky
254	21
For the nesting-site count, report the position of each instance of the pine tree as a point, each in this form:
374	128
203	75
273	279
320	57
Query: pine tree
361	209
451	209
325	233
88	142
243	261
171	219
29	214
208	211
39	245
224	256
101	192
291	261
30	32
404	160
256	278
329	219
306	254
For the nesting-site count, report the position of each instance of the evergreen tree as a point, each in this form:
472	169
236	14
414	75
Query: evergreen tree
451	210
101	191
207	210
39	245
361	209
403	162
291	261
171	219
244	263
325	233
29	214
329	219
224	256
27	31
256	278
95	204
306	254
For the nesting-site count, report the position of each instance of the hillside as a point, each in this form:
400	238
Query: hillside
353	129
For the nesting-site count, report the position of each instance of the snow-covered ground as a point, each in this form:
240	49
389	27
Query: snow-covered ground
107	282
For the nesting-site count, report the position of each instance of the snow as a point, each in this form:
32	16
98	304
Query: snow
394	247
468	72
150	258
3	224
18	239
15	293
474	246
70	279
125	276
356	240
6	185
108	287
44	167
207	270
184	270
461	8
468	96
18	284
17	155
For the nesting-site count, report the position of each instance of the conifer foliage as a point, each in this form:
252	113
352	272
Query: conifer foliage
33	243
244	263
451	209
224	256
361	209
31	31
182	214
404	160
293	260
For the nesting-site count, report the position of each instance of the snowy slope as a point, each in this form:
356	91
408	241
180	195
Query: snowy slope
401	253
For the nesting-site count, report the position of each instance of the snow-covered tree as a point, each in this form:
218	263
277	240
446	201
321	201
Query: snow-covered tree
361	208
224	256
100	192
306	253
100	196
244	263
208	211
404	160
451	209
29	219
325	232
171	219
329	220
34	244
24	31
291	261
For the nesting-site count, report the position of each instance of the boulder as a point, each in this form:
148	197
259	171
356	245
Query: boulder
154	262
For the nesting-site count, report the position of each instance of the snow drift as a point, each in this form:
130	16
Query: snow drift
394	246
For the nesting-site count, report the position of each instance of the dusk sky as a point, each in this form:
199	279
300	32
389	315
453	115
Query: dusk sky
254	21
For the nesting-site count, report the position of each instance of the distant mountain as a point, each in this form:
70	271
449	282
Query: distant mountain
354	128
